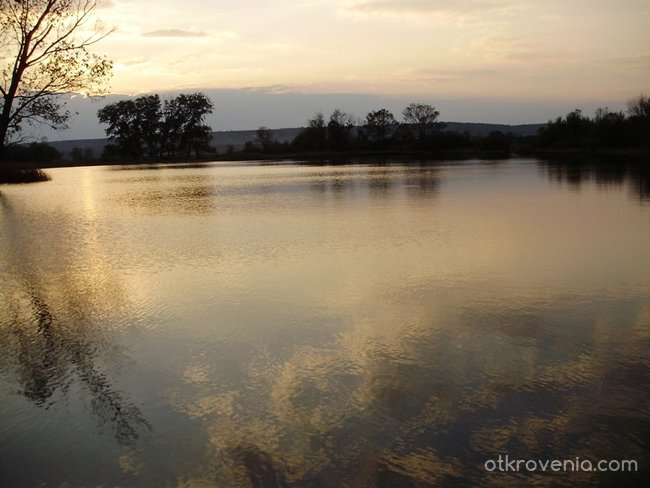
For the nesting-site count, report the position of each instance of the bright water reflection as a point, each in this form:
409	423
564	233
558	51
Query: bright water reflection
288	325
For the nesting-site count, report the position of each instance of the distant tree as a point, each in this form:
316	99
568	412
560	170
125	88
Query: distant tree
639	106
142	126
36	152
573	130
610	128
423	118
317	122
577	125
496	141
44	54
379	125
79	155
123	128
638	109
76	154
183	126
264	138
339	129
149	114
314	136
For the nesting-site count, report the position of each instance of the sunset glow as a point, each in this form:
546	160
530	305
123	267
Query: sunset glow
471	48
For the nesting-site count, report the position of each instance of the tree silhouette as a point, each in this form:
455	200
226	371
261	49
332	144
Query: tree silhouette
142	126
183	123
422	117
379	124
264	137
44	55
638	109
123	122
339	129
314	136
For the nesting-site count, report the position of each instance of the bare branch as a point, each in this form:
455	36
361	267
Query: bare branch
44	57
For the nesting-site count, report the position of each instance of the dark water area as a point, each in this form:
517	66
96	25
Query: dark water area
299	325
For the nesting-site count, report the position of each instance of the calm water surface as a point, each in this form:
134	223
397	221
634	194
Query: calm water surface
288	325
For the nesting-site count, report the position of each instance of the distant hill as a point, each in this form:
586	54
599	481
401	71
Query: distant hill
478	129
221	140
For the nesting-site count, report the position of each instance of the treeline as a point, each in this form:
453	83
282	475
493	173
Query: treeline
420	131
606	129
147	128
35	152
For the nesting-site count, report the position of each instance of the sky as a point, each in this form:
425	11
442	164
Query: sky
501	61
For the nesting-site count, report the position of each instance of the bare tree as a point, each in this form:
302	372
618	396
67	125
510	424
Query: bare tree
43	55
639	106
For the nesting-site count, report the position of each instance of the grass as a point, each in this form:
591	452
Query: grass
10	175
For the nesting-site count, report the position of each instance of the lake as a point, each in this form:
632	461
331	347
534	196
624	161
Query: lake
310	325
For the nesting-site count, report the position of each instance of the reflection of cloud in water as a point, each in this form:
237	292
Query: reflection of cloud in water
320	335
390	401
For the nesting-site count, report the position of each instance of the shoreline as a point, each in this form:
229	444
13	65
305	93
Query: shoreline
568	156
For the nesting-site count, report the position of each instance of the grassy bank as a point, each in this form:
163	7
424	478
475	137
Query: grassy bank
19	175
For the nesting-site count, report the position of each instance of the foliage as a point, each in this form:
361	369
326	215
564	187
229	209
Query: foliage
183	127
423	118
79	155
607	129
145	128
379	125
339	130
36	152
123	122
264	138
33	154
496	141
44	54
13	175
314	136
638	109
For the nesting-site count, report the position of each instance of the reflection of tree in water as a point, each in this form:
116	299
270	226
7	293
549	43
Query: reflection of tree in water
608	173
50	337
196	195
381	182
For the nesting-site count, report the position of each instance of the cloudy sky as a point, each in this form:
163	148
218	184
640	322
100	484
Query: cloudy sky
514	61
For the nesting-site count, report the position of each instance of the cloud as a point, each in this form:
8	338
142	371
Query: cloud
174	33
508	48
133	61
428	9
446	75
278	88
634	62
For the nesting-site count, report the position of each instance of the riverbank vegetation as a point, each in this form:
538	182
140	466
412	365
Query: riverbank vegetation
420	132
147	129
